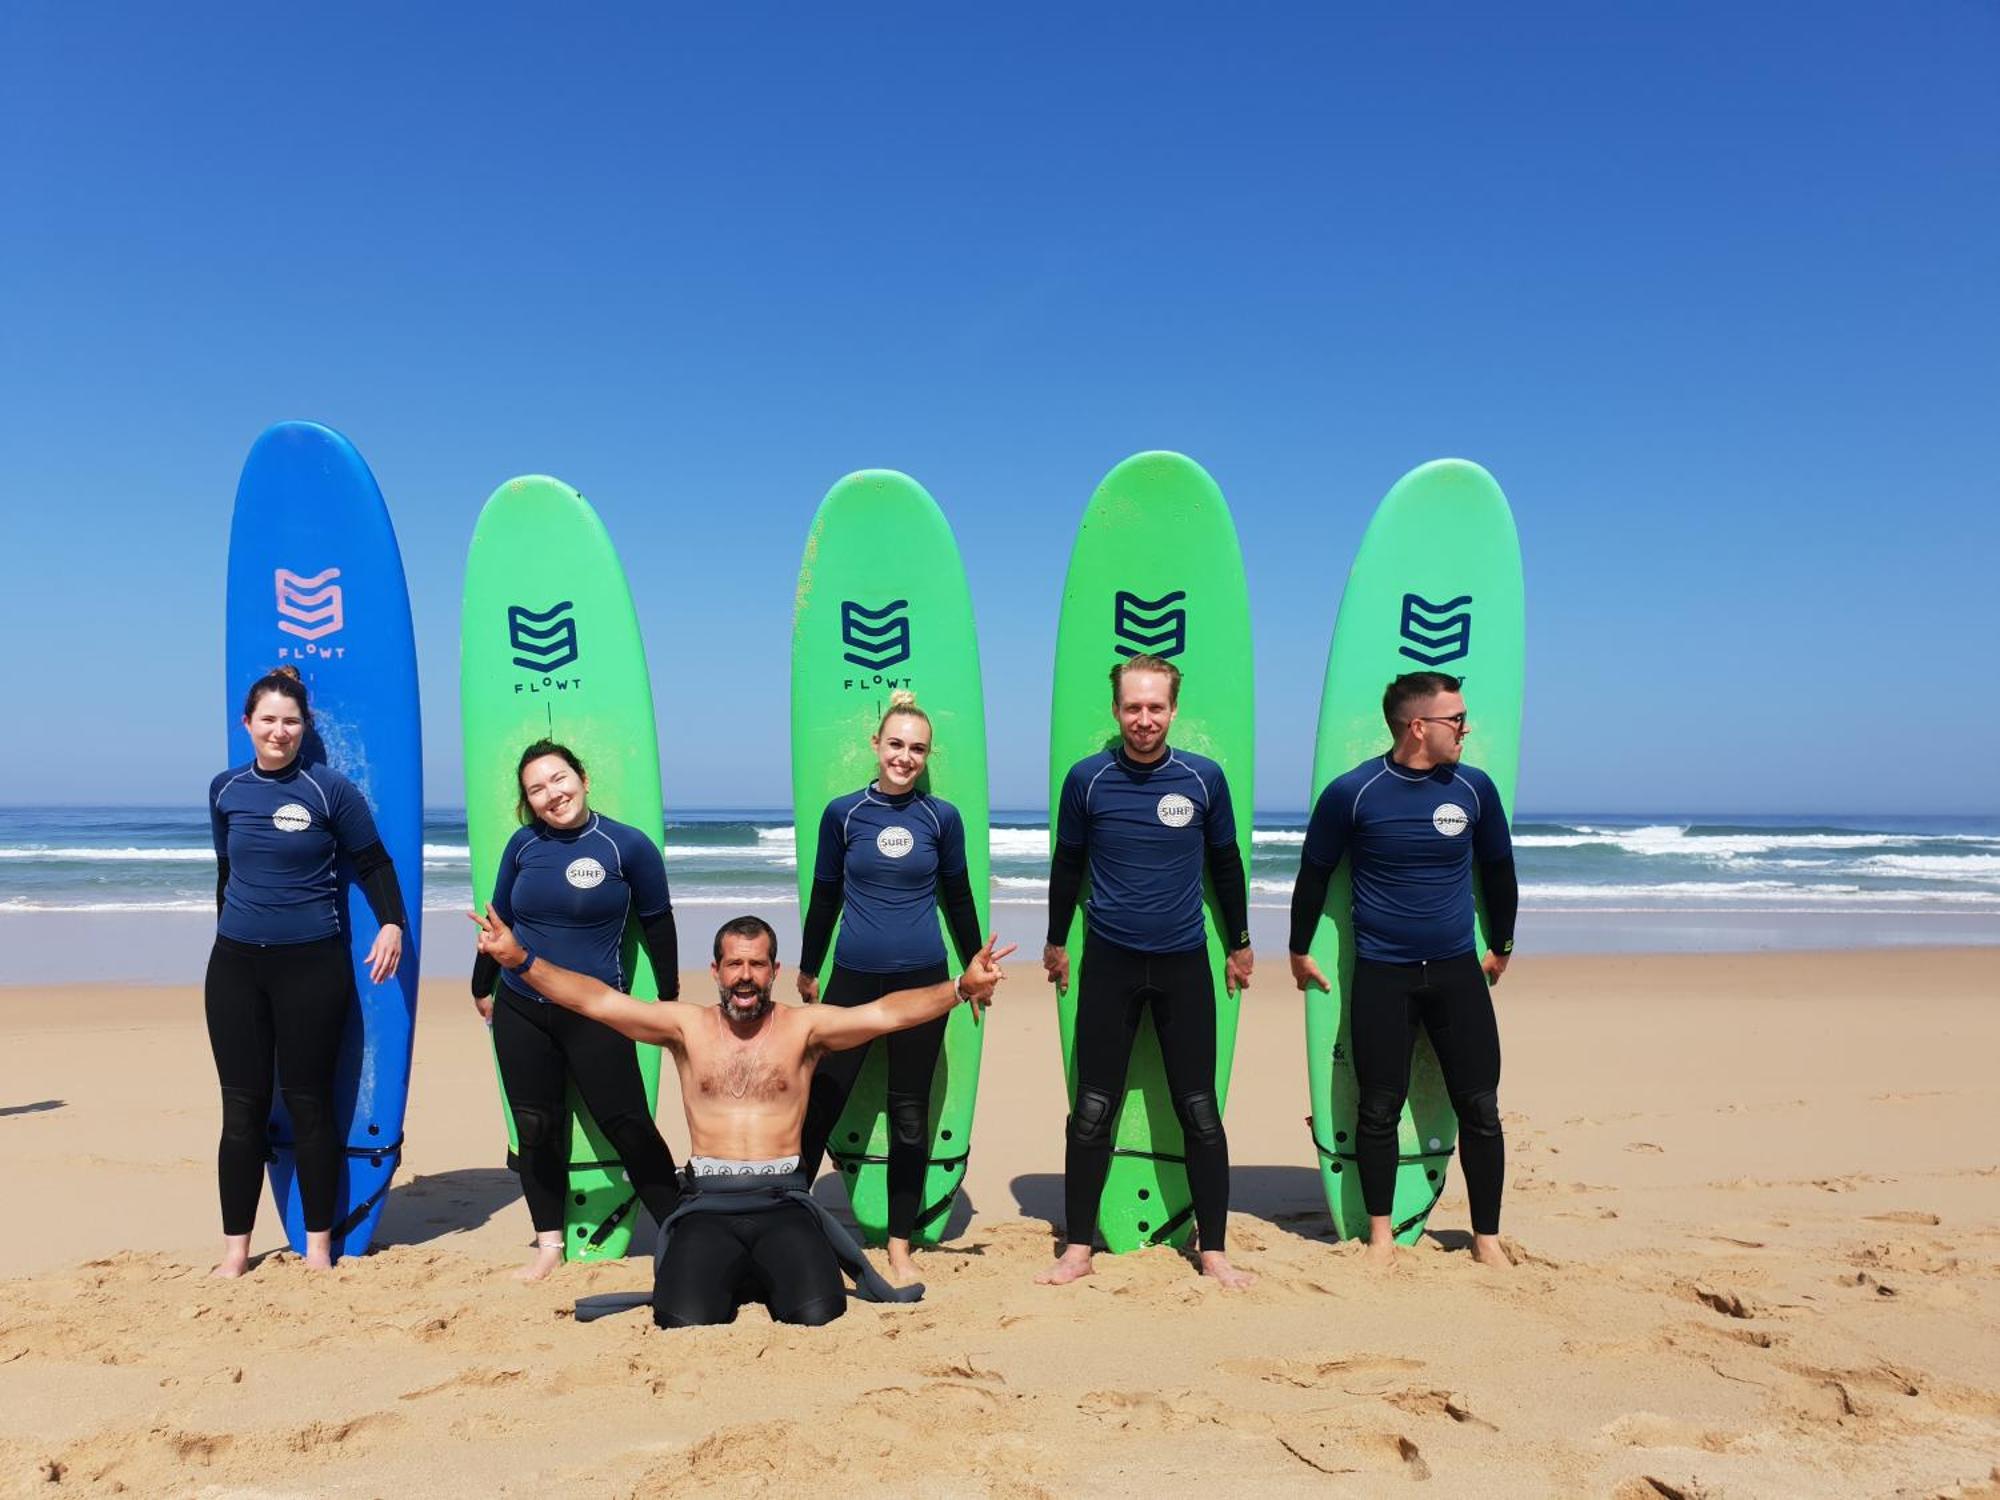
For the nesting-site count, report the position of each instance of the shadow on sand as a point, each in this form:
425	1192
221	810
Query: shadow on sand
1290	1198
40	1106
431	1207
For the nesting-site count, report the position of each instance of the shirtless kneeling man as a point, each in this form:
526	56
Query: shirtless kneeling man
747	1228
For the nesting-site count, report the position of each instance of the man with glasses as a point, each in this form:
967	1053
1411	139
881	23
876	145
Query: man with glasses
1413	822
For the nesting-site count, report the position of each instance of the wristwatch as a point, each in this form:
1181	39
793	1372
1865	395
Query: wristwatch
527	957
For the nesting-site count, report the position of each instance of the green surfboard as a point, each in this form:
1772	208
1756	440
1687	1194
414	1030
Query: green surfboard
549	646
1155	568
882	604
1436	586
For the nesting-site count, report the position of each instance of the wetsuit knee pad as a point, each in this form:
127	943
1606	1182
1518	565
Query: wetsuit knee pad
1201	1119
245	1115
533	1128
1090	1121
1479	1114
817	1313
909	1120
310	1110
1378	1112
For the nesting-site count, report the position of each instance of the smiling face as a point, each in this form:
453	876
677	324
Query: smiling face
1145	708
902	750
277	728
555	791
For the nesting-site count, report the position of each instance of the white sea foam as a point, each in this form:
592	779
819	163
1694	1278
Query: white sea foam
72	853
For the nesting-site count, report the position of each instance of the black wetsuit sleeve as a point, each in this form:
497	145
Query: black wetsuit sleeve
1232	895
664	949
377	874
960	914
821	913
485	975
1066	871
1308	901
1503	902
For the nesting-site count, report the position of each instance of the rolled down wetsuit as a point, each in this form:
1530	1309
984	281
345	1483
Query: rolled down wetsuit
1145	834
280	977
750	1232
1413	838
888	863
567	894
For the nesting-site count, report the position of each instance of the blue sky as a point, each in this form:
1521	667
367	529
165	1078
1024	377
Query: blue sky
1710	289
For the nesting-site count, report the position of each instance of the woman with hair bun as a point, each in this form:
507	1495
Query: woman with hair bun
568	881
280	979
889	856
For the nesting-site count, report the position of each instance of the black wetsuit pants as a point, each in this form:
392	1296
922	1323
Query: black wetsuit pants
540	1046
1450	999
778	1256
913	1056
1116	983
286	1003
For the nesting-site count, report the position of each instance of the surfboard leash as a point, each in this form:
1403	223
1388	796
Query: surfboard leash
855	1161
394	1151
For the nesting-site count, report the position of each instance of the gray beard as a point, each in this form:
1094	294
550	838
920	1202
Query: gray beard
733	1010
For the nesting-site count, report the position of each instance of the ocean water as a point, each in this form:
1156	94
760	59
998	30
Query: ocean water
158	859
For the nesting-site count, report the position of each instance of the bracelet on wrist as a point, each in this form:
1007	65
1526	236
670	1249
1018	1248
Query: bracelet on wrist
527	957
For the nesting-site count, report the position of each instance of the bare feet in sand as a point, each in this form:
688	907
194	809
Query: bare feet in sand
1486	1250
1214	1263
1381	1251
902	1270
235	1256
319	1250
1072	1265
548	1255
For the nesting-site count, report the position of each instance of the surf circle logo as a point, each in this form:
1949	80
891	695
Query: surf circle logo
1444	631
310	608
585	874
291	818
1175	810
544	641
1450	819
1149	627
894	843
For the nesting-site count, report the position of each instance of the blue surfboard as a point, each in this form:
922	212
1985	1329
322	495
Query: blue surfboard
316	582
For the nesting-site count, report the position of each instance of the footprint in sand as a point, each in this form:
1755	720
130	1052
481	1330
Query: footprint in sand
1721	1299
1646	1429
1436	1403
1372	1371
1341	1452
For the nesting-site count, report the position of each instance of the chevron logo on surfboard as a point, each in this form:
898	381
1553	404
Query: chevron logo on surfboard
542	640
1443	630
1148	627
309	607
876	639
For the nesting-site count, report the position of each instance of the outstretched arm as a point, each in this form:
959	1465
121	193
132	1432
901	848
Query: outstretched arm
837	1028
658	1024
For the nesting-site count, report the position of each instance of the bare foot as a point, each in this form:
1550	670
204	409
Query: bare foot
1486	1250
319	1250
235	1256
902	1269
1380	1253
1072	1265
547	1258
1215	1263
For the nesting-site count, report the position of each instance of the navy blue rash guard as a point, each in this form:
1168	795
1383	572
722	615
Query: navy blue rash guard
567	892
1147	831
1413	837
280	837
891	855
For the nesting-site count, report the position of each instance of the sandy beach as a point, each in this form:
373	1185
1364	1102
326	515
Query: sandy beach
1752	1200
